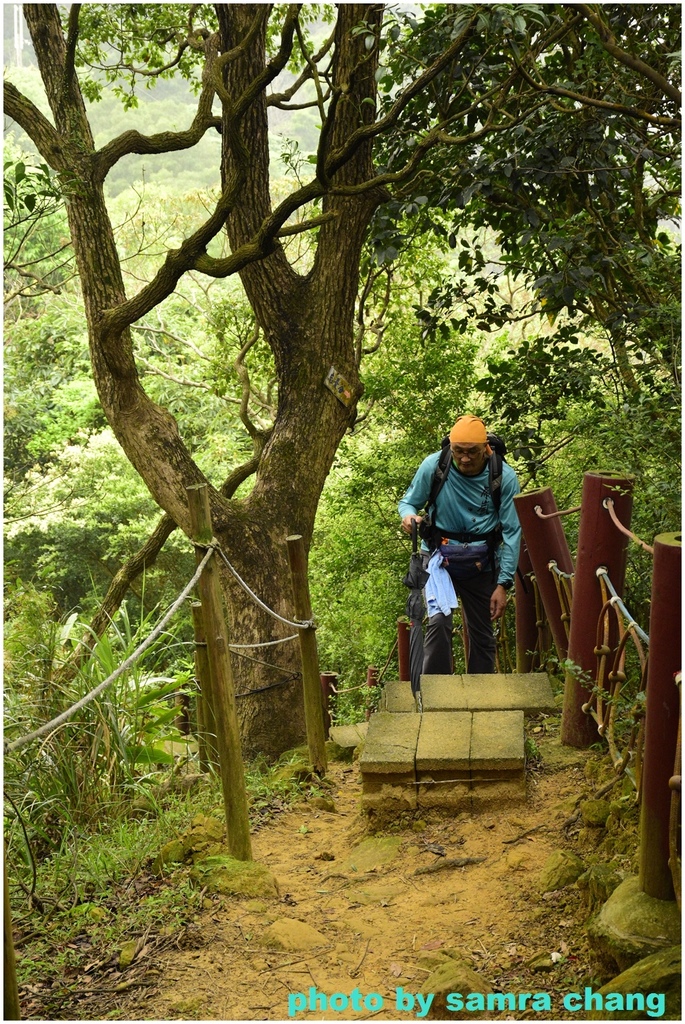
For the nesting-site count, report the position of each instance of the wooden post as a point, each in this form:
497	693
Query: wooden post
403	649
599	543
221	677
527	631
206	719
546	542
11	990
662	716
313	707
328	681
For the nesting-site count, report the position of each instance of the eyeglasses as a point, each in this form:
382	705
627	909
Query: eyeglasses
466	453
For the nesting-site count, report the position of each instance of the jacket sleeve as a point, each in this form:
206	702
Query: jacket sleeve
511	528
417	493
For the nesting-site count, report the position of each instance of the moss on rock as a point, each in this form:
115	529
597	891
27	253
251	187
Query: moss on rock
223	874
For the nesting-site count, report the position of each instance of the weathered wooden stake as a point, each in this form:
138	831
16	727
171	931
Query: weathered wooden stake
328	681
313	705
221	679
11	991
206	719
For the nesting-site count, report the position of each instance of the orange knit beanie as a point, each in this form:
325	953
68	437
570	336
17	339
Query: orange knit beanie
468	430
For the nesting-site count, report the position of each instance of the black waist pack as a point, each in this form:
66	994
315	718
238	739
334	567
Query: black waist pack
466	561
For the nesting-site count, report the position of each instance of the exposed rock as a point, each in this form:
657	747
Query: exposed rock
598	883
518	860
323	803
256	907
293	766
142	806
631	925
371	853
336	752
287	933
171	853
224	874
453	976
202	839
128	953
656	976
595	812
561	868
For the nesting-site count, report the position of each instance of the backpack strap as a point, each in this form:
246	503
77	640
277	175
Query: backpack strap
427	529
495	479
429	532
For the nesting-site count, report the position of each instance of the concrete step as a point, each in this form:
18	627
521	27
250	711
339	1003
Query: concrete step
451	759
530	692
349	736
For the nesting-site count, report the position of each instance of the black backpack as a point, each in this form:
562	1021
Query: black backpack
499	450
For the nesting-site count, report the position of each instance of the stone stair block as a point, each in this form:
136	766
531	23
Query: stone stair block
486	795
497	741
443	693
444	789
390	747
389	794
397	698
349	735
529	691
444	742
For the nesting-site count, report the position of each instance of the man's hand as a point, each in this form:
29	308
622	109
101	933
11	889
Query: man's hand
408	520
498	602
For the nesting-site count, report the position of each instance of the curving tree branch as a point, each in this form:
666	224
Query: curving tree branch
608	42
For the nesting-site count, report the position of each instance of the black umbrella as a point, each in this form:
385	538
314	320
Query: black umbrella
416	581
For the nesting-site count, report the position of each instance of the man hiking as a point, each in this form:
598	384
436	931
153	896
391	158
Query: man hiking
470	529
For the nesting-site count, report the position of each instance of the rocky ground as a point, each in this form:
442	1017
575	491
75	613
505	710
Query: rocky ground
360	929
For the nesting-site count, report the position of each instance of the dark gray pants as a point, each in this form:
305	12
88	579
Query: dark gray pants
474	596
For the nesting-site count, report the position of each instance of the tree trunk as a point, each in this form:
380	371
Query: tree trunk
308	322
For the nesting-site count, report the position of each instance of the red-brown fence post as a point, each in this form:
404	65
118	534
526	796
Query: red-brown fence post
662	715
526	618
546	542
600	543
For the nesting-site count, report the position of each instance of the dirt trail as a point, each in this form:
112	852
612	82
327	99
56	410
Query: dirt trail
386	928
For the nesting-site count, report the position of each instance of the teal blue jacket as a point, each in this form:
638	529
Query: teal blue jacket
464	505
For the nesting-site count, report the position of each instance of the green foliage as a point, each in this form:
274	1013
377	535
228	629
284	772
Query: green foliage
37	256
128	43
359	555
82	771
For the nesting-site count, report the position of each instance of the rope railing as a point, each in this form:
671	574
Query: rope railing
554	515
541	624
60	719
608	504
563	581
308	624
611	677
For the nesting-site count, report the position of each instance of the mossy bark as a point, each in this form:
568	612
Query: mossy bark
308	320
